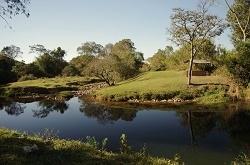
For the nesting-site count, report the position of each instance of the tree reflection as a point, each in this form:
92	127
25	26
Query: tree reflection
237	125
47	107
107	115
234	121
15	108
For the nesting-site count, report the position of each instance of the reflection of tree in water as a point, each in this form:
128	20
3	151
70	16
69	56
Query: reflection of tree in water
14	108
235	122
106	115
48	106
202	122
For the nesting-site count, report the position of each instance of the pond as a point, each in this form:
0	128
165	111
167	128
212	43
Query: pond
200	135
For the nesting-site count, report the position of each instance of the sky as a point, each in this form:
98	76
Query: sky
68	24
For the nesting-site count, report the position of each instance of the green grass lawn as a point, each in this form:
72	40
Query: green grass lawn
51	82
158	83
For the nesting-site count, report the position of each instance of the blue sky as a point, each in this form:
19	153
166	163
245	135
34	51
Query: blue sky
68	24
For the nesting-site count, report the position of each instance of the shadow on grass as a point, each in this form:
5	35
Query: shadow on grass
200	84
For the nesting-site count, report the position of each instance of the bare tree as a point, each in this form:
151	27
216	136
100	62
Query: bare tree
238	17
194	27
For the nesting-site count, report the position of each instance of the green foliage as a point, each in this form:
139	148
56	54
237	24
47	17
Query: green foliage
70	70
81	63
238	63
66	151
158	61
92	142
50	65
214	95
124	147
119	63
47	135
242	159
27	77
11	51
238	18
104	142
6	74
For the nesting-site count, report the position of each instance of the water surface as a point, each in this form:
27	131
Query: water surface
200	136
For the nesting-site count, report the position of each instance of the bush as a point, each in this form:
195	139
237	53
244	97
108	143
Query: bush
27	77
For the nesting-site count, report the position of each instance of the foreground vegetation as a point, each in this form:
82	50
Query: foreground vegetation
51	150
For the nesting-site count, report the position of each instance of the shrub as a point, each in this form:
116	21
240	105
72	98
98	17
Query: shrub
27	77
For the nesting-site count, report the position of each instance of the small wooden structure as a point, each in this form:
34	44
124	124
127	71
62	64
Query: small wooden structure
198	72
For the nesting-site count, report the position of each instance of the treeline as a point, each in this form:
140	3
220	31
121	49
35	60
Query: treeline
120	61
112	62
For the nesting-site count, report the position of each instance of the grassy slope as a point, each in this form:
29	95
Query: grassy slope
56	151
48	82
160	82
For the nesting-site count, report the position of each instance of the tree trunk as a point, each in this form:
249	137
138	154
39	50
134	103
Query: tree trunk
190	65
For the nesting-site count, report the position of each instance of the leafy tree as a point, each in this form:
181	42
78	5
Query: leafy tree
39	49
70	70
6	75
158	61
58	53
11	51
90	48
238	17
111	63
81	62
51	63
129	60
21	69
10	8
106	69
169	50
194	27
238	63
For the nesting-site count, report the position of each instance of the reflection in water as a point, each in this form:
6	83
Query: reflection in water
216	133
48	106
14	108
106	115
201	124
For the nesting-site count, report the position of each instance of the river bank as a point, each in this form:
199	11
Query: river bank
148	88
45	148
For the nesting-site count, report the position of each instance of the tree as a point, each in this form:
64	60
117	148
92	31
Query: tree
90	48
238	17
11	51
50	62
238	63
107	69
58	53
129	60
194	27
81	62
10	8
158	61
39	49
6	75
168	50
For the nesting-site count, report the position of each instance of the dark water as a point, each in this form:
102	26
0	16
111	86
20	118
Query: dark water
211	135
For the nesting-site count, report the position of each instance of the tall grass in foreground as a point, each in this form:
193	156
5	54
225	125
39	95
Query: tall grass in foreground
51	150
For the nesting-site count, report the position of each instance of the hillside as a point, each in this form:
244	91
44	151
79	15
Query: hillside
164	85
